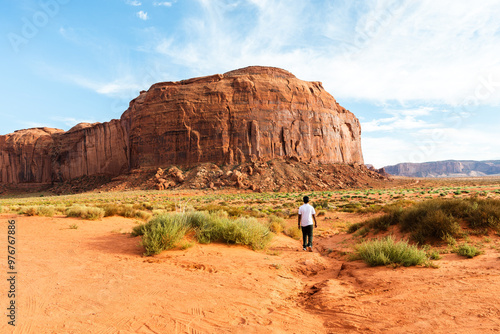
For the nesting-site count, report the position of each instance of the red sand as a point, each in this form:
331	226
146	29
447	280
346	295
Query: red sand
94	279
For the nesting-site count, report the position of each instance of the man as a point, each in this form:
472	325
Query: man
306	216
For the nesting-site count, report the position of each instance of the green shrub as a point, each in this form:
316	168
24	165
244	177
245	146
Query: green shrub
350	207
143	215
46	211
85	212
354	227
387	251
468	250
426	222
320	204
163	232
362	232
243	231
438	218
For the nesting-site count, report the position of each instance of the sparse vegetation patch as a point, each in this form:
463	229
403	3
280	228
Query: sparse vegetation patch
386	251
165	231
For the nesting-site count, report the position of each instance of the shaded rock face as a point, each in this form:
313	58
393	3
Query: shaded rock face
45	155
448	168
251	114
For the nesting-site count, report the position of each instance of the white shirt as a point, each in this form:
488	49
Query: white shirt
306	211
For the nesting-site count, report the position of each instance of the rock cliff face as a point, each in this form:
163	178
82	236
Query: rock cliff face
448	168
251	114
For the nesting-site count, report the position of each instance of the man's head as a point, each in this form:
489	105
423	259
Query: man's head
306	199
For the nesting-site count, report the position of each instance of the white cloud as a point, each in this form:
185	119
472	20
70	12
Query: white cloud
432	144
142	15
122	87
402	119
394	123
163	3
443	52
134	3
383	151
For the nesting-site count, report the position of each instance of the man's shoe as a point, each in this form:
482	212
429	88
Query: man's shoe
309	248
304	249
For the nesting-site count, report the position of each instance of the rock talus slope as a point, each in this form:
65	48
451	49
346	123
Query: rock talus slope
251	114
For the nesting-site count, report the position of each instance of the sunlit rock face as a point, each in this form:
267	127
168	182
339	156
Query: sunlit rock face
250	114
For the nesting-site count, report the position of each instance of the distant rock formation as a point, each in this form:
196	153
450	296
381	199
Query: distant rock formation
448	168
251	114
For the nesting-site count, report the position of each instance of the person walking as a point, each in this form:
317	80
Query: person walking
307	215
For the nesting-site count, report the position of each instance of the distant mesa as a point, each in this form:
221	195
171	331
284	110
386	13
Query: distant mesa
448	168
246	115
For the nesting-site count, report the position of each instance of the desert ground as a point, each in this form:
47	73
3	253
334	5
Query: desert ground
77	275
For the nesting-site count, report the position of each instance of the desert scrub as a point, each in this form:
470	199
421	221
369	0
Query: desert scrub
46	210
85	212
468	250
242	231
276	224
293	232
362	232
29	210
354	227
162	233
165	231
127	211
386	251
437	218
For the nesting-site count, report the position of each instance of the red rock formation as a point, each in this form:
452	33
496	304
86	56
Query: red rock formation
25	156
255	113
251	114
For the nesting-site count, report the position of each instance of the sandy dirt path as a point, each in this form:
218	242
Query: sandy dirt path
94	279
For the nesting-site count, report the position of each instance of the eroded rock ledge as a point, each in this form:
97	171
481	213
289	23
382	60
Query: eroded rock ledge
247	115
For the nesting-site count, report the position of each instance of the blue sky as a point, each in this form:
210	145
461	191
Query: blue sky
423	76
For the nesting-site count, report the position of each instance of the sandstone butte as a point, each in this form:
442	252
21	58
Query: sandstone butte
251	114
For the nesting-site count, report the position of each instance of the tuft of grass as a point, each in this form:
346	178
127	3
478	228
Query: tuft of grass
185	244
128	210
165	231
436	218
46	210
276	224
468	250
29	211
293	232
85	212
162	233
387	251
362	232
73	226
354	227
242	231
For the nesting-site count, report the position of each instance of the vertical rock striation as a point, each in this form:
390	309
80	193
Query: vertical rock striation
250	114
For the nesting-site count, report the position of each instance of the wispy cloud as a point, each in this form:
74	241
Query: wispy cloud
122	87
134	3
163	3
423	50
142	15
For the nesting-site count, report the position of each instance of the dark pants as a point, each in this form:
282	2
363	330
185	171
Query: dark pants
307	233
